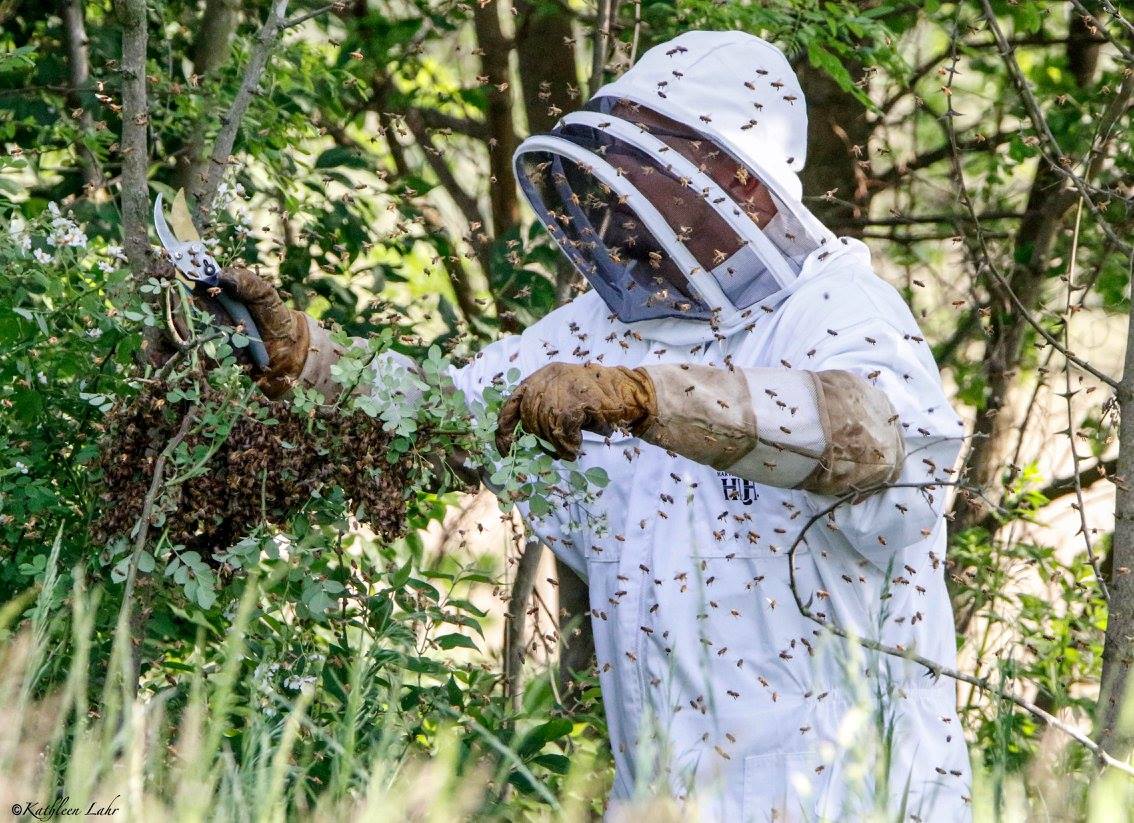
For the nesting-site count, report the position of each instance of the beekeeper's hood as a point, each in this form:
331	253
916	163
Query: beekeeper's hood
652	190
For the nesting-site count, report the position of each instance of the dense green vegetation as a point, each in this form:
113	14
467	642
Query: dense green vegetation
326	662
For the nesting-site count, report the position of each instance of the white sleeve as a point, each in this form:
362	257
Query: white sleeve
901	366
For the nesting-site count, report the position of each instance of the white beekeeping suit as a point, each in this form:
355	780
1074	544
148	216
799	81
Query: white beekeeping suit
782	375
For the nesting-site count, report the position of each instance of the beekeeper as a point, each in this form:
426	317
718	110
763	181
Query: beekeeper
749	386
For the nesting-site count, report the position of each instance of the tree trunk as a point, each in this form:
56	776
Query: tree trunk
576	641
548	79
550	86
134	145
494	62
1116	709
836	125
79	69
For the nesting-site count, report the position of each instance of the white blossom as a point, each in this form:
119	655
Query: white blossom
42	256
298	682
18	231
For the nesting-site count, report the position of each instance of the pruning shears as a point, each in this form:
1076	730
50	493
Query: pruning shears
188	254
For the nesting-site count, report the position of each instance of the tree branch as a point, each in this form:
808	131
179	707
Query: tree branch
933	667
437	121
210	51
1060	163
230	123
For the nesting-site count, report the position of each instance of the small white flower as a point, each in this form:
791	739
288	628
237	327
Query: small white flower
116	252
53	207
41	377
42	256
297	682
21	467
105	267
94	334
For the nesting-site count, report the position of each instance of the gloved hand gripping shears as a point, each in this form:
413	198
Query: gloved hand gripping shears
187	253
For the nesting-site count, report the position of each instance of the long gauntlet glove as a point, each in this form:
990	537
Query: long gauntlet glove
829	432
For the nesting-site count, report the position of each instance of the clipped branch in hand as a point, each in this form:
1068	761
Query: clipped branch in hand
230	123
134	145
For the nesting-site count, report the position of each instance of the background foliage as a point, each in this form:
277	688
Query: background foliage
981	148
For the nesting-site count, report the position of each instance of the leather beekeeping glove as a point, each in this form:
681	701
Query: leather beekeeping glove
829	432
285	332
560	400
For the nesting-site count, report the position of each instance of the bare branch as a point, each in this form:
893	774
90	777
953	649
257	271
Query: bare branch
456	271
1053	154
465	201
933	667
1100	29
303	18
211	49
230	123
986	264
439	121
1068	396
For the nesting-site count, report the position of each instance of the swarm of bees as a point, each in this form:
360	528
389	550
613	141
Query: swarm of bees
265	470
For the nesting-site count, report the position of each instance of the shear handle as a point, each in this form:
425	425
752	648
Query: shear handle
240	314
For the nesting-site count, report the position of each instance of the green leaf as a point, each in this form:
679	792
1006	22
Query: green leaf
539	736
557	763
453	641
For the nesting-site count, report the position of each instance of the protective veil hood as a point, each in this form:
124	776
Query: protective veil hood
630	186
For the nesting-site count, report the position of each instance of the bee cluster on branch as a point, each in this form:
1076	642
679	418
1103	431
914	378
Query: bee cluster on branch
220	485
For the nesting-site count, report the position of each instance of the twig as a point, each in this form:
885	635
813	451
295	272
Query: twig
135	144
1094	22
1117	15
986	263
142	527
637	31
1068	394
230	122
1058	161
303	18
183	349
932	666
